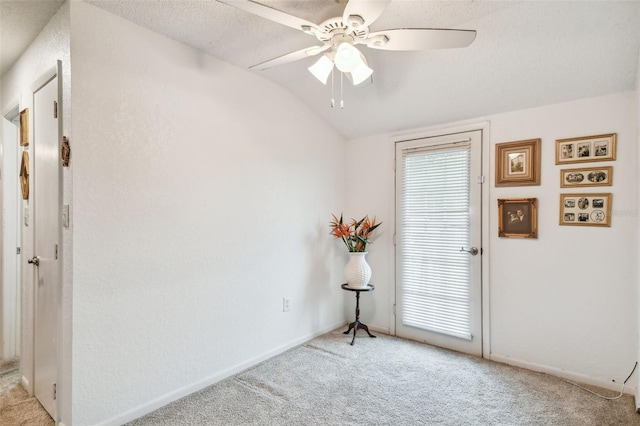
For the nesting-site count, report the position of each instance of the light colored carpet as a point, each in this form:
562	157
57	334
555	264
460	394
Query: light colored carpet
389	381
16	406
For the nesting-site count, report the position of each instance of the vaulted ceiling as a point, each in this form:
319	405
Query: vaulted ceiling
526	54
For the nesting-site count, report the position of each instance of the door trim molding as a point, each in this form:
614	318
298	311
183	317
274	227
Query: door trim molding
440	130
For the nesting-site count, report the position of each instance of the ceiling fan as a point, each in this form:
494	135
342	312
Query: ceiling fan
340	36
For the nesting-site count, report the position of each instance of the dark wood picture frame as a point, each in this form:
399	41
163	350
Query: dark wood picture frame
518	163
518	218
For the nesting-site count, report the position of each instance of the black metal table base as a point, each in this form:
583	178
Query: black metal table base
357	325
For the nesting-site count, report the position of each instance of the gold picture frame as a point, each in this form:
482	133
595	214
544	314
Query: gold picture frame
24	175
586	176
24	127
518	163
518	218
586	149
585	209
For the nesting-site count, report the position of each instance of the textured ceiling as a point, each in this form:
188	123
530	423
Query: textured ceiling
20	23
527	53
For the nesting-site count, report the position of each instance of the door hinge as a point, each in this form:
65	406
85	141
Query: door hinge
18	250
55	391
480	179
55	109
56	252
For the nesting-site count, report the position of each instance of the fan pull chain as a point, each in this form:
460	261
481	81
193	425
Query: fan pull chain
333	102
341	90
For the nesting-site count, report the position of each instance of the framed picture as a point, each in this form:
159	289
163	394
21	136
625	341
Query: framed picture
518	218
24	127
585	209
24	175
589	176
586	148
518	163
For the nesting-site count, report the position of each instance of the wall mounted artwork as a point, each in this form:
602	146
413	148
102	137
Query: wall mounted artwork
586	148
518	163
24	175
24	127
587	176
585	209
518	218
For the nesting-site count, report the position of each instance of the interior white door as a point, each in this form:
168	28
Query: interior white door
47	224
438	241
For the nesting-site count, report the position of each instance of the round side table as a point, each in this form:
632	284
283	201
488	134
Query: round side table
356	325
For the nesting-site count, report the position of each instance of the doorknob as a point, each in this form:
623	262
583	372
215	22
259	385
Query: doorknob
472	250
34	261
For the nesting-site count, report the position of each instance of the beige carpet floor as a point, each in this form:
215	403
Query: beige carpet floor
16	406
390	381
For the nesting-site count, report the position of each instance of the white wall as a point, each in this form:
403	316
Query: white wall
566	302
16	87
202	196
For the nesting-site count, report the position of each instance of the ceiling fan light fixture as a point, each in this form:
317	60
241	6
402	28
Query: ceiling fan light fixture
347	57
360	73
321	69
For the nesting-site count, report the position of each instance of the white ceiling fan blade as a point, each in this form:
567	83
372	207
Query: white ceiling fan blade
368	10
291	57
419	39
273	15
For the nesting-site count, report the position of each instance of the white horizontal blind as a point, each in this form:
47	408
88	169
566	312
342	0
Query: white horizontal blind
435	275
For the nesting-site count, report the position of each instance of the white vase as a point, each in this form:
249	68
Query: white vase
357	271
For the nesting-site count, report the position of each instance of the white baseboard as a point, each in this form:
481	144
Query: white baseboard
25	385
564	374
194	387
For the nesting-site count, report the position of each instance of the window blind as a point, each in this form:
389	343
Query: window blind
435	225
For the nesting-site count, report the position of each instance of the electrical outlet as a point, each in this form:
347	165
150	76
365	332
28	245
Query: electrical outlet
286	304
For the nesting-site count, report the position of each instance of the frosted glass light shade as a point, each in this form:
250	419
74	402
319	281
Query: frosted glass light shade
360	73
321	69
347	57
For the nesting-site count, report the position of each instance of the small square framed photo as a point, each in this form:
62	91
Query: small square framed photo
518	218
587	176
518	163
586	148
585	209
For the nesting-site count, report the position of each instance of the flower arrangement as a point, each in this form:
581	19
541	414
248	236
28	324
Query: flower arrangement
357	234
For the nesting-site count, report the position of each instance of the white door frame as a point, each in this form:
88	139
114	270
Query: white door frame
435	131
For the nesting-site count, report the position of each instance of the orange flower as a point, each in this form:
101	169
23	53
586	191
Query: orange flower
356	235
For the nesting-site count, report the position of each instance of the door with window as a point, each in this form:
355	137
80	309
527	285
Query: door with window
438	240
